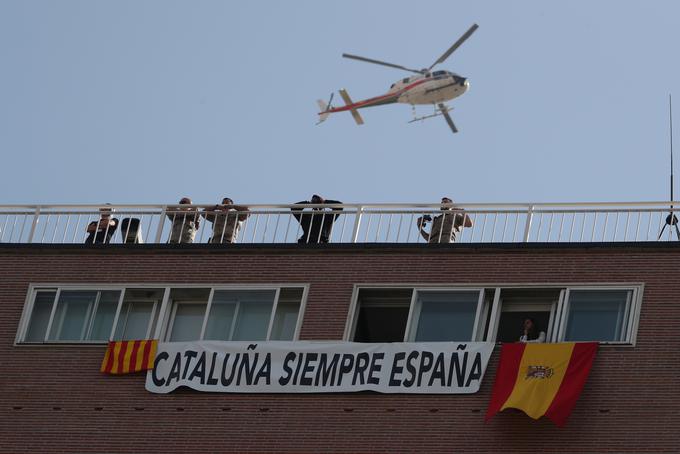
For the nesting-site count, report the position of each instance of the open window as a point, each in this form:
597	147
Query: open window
605	314
382	315
416	315
515	305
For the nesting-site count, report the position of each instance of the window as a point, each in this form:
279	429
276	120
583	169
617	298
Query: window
72	315
420	315
598	315
382	315
40	317
77	315
517	304
235	315
563	314
138	313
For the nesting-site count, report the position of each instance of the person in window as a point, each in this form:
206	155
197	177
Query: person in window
185	222
532	333
445	226
316	224
100	232
226	219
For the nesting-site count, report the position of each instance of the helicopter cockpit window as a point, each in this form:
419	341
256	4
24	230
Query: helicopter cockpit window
405	80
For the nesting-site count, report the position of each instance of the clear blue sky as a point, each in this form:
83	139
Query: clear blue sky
148	101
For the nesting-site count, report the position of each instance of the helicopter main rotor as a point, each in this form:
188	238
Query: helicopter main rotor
441	59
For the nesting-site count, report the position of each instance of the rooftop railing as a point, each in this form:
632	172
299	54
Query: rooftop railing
356	223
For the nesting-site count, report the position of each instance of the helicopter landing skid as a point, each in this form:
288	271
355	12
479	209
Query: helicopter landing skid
437	113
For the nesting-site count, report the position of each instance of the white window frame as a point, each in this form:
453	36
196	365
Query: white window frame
558	313
497	311
411	321
632	313
28	309
208	306
119	310
162	321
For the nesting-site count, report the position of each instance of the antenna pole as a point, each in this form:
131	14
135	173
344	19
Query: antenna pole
671	219
670	127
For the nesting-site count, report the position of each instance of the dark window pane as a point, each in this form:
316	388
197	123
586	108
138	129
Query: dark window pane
381	324
40	316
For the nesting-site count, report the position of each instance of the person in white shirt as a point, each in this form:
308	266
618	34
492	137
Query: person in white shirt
532	334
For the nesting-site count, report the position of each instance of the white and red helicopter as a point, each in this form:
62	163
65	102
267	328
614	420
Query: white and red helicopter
426	87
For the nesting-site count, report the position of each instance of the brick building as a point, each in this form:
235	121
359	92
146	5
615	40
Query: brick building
60	302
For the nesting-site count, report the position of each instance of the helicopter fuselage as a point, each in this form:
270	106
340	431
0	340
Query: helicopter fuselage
429	88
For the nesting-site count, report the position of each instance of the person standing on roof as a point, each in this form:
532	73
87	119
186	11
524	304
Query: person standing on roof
316	224
185	222
445	226
226	219
100	232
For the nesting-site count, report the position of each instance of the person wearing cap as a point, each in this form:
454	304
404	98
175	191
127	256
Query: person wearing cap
445	226
316	224
100	232
226	219
185	222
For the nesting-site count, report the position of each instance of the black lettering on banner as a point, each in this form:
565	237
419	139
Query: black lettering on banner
224	380
363	359
284	379
396	368
438	371
250	371
460	369
265	371
162	356
188	355
199	369
176	368
309	358
326	370
212	380
411	369
476	372
297	368
346	364
425	365
375	368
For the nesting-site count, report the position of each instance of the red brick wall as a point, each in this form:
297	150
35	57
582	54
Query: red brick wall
53	398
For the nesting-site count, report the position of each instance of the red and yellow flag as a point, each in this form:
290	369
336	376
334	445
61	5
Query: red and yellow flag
541	379
123	357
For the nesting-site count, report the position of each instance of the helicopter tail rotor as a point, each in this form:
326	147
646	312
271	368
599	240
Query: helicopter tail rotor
324	109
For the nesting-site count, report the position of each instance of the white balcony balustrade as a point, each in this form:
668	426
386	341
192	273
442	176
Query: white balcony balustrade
357	223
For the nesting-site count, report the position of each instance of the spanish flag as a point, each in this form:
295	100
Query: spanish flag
541	379
123	357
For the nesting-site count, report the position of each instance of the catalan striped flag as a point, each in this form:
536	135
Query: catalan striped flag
123	357
541	379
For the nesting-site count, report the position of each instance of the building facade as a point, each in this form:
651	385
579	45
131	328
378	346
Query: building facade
60	303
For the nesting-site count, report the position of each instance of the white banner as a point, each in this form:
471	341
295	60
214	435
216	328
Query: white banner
318	367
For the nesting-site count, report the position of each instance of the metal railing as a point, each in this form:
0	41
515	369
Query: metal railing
357	223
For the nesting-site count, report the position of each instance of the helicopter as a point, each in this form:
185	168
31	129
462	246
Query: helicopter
425	87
